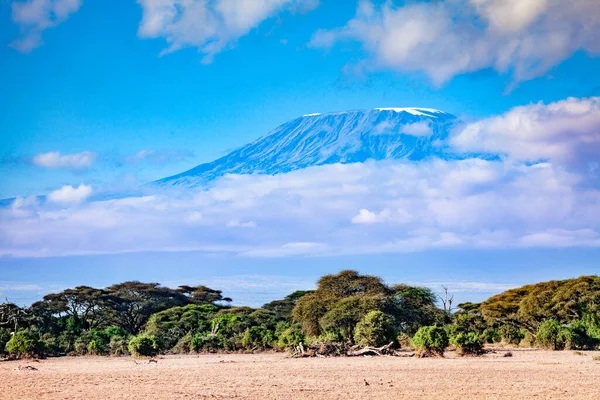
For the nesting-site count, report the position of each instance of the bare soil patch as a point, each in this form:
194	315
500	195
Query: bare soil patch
527	374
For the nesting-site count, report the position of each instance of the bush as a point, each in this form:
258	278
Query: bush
24	344
375	329
578	337
511	334
257	337
290	337
95	347
468	344
430	341
118	346
552	335
205	342
144	346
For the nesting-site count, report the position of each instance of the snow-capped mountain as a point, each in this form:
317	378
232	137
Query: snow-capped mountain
342	137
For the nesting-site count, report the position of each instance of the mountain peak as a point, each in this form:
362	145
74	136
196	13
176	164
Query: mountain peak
339	137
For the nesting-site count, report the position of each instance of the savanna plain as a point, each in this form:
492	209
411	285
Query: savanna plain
527	374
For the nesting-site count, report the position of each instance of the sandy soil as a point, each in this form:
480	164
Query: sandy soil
528	374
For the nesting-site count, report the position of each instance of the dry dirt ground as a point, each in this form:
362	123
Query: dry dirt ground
528	374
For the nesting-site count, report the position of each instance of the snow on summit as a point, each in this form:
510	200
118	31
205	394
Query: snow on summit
339	137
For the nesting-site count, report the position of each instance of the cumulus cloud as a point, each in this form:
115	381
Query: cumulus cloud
69	195
523	38
566	132
35	16
54	159
431	204
209	26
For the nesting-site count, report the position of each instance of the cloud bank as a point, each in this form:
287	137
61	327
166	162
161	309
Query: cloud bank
35	16
522	38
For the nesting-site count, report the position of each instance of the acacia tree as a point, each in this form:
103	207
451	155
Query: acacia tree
84	305
132	303
202	294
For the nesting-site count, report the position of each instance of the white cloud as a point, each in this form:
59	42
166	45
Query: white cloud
524	38
422	128
433	204
35	16
54	159
210	26
69	195
566	132
368	217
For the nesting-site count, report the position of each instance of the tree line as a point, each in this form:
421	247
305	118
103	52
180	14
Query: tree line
348	309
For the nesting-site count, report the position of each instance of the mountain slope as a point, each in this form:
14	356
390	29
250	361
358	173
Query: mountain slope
317	139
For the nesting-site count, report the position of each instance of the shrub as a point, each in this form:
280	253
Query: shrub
205	342
257	337
144	346
375	329
118	346
95	347
24	344
468	344
511	334
578	337
552	335
430	341
291	337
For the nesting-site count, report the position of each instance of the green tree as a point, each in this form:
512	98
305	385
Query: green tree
24	343
375	329
144	345
430	341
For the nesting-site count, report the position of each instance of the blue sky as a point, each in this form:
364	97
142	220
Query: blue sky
114	94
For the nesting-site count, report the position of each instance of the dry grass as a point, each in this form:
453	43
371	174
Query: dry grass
543	374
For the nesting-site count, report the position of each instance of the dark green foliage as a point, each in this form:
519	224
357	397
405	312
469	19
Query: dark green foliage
144	346
375	329
416	307
4	338
283	308
468	344
25	343
202	295
430	341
